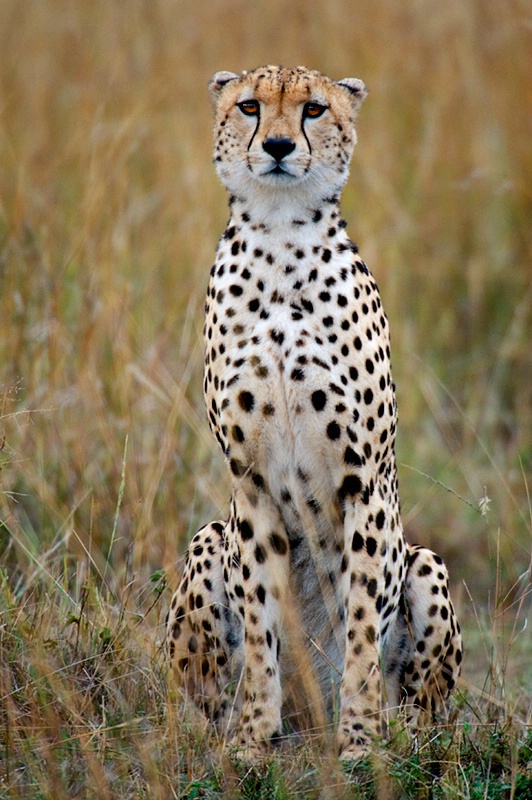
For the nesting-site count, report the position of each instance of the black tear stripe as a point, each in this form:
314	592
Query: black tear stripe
255	131
305	135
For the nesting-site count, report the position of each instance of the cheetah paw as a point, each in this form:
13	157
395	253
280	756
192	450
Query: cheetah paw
353	749
353	754
252	753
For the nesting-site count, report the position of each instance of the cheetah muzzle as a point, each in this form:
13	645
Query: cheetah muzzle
299	395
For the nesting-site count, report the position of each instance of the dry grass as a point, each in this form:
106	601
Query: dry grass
109	215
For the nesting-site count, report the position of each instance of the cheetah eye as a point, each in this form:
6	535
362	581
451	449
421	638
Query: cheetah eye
313	110
249	107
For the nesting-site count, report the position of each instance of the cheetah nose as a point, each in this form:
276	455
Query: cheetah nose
279	148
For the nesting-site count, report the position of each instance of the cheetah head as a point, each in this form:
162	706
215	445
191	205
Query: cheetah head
280	128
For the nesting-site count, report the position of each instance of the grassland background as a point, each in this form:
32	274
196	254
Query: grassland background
109	215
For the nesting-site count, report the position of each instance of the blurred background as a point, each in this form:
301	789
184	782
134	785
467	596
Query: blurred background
110	211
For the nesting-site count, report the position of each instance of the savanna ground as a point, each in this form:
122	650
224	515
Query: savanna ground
109	215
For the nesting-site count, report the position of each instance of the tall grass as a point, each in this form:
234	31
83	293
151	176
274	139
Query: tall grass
109	215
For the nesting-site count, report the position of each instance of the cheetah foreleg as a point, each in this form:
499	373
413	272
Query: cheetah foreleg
363	582
263	567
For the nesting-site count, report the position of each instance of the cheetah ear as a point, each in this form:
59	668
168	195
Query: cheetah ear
356	89
219	80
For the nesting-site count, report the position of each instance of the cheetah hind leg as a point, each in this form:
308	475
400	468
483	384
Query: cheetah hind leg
204	637
425	650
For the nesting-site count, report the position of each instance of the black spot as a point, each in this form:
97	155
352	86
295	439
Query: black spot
260	554
261	594
302	475
350	457
258	480
319	399
357	542
246	401
333	430
246	530
278	544
351	485
237	467
380	519
371	546
238	434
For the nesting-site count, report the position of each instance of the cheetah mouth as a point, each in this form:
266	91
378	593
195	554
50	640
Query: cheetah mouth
276	175
279	170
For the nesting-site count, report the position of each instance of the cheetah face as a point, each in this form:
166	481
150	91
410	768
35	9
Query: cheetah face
279	128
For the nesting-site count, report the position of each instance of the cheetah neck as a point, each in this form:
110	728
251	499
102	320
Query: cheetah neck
276	216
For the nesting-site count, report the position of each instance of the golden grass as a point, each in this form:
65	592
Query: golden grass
109	215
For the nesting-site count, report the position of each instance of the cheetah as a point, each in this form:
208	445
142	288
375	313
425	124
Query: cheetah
300	398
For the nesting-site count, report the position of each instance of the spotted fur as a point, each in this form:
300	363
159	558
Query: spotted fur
300	397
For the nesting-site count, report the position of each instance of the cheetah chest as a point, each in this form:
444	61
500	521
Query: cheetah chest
297	376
